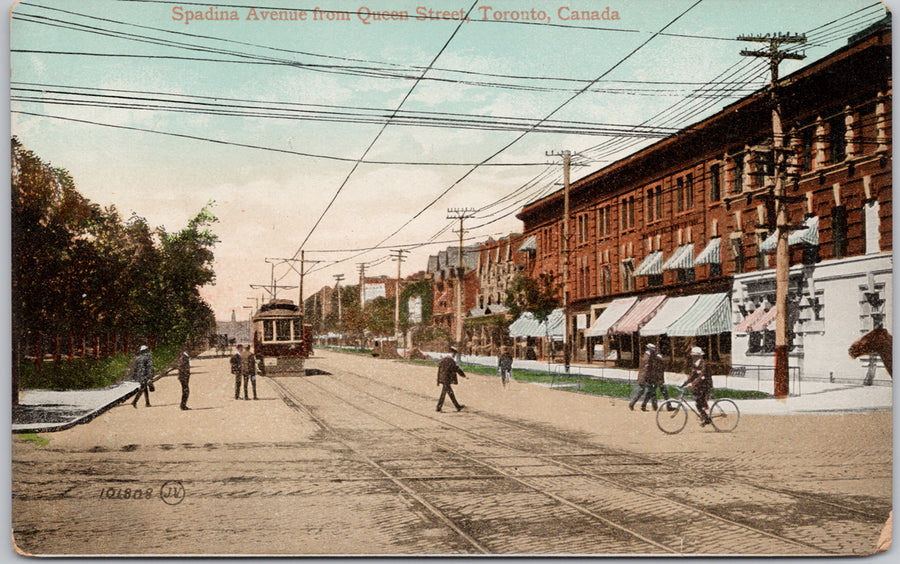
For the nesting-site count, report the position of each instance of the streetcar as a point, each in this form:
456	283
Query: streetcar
280	337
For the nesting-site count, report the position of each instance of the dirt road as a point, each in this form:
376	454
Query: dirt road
353	459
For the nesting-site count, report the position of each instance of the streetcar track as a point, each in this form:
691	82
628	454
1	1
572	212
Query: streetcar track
652	461
283	390
605	477
299	406
577	471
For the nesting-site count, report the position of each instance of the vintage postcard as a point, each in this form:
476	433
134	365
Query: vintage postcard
475	278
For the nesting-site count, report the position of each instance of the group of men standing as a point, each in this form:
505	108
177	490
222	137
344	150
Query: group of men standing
143	375
244	366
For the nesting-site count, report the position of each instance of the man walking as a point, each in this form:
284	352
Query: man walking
650	374
446	377
236	369
184	376
143	374
504	364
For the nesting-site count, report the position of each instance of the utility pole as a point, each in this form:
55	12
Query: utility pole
400	260
461	214
337	289
782	252
362	282
302	272
567	345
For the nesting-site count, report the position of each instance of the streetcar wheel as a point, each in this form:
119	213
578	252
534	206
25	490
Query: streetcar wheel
671	417
725	415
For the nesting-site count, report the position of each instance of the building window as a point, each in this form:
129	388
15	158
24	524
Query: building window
837	139
685	275
737	180
715	269
658	201
679	195
807	149
736	245
839	231
689	191
715	189
623	215
630	212
651	208
654	280
628	276
871	314
872	226
762	257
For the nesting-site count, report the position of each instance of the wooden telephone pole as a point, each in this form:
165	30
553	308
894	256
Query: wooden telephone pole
461	214
782	252
400	260
337	289
567	164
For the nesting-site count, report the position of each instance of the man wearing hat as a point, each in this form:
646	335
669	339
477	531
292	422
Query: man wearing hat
700	382
446	377
650	374
143	373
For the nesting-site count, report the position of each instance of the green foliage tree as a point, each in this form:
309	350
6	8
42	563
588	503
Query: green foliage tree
539	296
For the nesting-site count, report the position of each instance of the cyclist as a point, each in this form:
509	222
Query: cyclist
700	382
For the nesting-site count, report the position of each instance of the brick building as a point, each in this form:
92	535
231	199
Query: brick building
692	217
442	269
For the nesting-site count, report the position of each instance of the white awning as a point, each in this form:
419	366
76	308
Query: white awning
530	244
712	254
610	316
683	257
650	265
808	235
667	314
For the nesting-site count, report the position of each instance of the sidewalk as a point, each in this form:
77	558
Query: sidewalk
806	396
41	411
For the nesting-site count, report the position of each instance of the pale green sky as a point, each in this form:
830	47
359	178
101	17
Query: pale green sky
128	52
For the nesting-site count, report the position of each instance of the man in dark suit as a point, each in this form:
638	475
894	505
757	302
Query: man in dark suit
446	377
701	384
184	376
143	374
236	369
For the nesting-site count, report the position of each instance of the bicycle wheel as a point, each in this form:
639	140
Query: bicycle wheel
671	417
725	415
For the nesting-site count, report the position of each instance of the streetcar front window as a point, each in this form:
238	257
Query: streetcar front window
268	330
298	332
283	330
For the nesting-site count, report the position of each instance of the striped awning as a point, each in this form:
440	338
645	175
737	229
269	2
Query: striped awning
650	265
610	316
710	315
764	321
667	314
751	318
807	236
683	257
527	326
637	316
530	244
712	254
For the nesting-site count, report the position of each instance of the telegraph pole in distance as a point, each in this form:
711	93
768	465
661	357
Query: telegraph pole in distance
399	260
567	164
337	288
461	214
362	282
782	252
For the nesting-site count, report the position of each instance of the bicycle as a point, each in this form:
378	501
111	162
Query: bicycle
672	415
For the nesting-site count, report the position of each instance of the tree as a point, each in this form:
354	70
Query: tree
540	297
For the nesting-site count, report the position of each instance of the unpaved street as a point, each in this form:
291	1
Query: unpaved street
353	459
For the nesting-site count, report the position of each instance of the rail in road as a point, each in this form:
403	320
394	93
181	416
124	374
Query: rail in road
504	486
